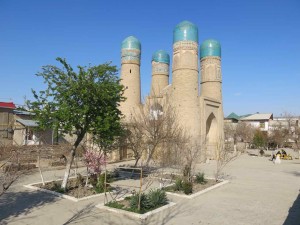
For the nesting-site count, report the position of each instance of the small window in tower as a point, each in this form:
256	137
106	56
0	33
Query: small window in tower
130	71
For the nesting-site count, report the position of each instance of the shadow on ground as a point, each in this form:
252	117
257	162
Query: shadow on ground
14	204
293	217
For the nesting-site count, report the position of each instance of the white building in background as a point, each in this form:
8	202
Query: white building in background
259	120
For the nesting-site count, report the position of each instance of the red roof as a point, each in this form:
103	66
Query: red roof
9	105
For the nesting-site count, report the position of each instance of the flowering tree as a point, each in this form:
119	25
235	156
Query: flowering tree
94	160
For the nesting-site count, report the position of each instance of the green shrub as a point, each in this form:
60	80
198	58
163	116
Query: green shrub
93	180
200	178
114	204
145	203
99	188
57	187
157	198
261	152
187	187
178	184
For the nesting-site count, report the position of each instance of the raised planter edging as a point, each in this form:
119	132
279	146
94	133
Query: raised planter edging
132	214
199	192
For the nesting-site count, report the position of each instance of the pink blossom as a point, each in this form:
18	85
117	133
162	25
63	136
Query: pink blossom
94	160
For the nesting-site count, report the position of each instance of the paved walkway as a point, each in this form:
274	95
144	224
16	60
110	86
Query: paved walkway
259	192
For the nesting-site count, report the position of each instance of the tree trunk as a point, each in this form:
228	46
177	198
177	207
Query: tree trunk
39	165
136	161
69	163
68	168
151	152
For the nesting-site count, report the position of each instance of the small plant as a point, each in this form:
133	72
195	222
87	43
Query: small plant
157	198
200	178
261	152
99	188
187	187
187	171
57	187
178	184
79	180
144	202
114	204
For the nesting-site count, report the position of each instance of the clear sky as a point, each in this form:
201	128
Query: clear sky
260	43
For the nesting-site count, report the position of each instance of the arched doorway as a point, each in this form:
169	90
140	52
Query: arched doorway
211	135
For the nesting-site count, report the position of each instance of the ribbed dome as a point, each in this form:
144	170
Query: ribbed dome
161	56
185	31
131	42
210	47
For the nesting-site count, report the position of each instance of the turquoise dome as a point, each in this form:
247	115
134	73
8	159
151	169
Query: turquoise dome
161	56
210	47
185	31
131	42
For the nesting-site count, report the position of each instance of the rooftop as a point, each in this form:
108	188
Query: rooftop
21	112
8	105
258	116
28	123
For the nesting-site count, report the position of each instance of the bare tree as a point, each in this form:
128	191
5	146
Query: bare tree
190	154
9	167
278	136
245	132
152	128
241	131
224	156
134	139
285	130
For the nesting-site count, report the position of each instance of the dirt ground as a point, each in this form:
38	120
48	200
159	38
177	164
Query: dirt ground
259	193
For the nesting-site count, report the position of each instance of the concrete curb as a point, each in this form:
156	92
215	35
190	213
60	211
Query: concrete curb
32	187
132	214
200	192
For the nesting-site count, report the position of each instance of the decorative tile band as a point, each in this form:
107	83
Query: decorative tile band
160	68
185	45
130	55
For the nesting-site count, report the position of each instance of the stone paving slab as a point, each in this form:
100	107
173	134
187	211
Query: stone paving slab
259	193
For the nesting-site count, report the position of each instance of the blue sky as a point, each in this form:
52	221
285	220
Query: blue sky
260	43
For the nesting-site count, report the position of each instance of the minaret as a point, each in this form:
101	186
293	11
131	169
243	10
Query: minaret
211	90
160	72
185	76
130	75
211	77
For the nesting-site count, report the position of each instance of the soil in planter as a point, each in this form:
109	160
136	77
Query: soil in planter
196	187
73	189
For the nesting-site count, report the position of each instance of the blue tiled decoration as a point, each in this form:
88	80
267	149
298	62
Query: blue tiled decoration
131	42
210	47
161	56
185	31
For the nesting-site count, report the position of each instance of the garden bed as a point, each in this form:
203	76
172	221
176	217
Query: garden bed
151	203
197	188
76	189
